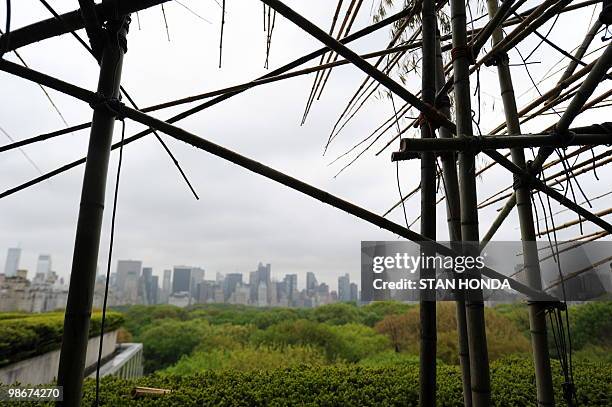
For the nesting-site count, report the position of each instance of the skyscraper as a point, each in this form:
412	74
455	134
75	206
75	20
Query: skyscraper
155	289
197	276
12	261
128	280
150	285
291	287
231	281
344	288
43	266
167	282
311	283
181	280
354	292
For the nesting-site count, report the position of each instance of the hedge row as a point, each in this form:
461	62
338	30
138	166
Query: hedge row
513	384
29	335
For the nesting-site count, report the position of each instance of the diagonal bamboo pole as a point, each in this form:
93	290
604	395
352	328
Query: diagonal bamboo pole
579	54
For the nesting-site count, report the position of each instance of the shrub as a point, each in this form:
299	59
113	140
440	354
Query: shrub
503	337
591	323
512	382
301	332
337	314
246	359
359	341
167	341
29	335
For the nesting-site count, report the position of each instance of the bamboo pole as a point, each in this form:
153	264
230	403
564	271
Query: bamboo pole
574	222
410	147
89	225
427	309
537	316
477	337
453	218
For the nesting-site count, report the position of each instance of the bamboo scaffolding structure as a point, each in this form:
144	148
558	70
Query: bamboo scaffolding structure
430	112
189	112
235	88
555	181
256	167
576	106
459	185
592	160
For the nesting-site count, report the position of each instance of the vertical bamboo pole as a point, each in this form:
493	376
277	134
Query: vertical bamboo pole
451	186
87	241
427	371
537	316
477	338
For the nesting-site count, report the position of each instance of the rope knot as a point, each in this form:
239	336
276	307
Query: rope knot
463	51
497	59
112	106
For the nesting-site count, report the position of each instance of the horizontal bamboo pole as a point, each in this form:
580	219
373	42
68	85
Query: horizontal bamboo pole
411	147
71	21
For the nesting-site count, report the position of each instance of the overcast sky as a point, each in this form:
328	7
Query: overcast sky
241	218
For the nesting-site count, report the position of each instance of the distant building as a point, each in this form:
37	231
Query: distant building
240	295
232	280
17	293
12	261
181	280
262	295
166	285
291	287
155	289
197	276
354	292
344	288
311	283
150	286
206	292
43	266
128	280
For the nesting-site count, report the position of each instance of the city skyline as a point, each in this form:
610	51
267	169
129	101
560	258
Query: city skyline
133	283
33	267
